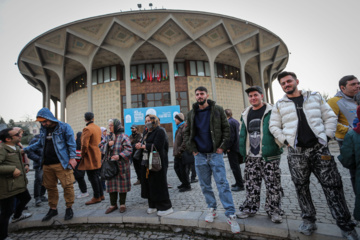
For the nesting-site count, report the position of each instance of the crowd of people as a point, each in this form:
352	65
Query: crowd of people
302	121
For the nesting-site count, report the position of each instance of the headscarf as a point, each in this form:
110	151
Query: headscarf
154	121
78	140
117	126
103	129
357	128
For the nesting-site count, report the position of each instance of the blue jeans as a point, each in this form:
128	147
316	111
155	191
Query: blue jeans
208	164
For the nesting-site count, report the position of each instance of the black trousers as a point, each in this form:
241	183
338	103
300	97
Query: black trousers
137	166
7	209
182	171
79	177
235	167
94	178
193	172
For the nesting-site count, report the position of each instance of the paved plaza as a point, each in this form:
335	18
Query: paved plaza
191	205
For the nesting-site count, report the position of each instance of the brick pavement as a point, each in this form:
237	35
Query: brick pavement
193	201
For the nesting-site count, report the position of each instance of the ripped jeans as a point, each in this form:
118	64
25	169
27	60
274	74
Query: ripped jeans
319	161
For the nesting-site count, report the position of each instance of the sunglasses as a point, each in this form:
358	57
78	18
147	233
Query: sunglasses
18	134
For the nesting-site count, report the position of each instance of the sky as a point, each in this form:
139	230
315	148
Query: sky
322	37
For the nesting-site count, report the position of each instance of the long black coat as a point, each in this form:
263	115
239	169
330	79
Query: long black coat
155	187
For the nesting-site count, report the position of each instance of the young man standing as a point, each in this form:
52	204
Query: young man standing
13	180
304	122
206	135
344	106
91	157
262	158
59	151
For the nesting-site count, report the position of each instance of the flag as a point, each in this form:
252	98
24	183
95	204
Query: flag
167	77
141	78
153	74
158	76
144	76
176	73
132	78
148	76
163	76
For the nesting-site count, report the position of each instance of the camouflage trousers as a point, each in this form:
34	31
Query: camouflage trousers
318	160
256	169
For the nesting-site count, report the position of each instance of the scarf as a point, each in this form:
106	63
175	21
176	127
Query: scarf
357	128
103	136
117	126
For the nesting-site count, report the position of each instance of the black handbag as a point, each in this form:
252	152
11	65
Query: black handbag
154	160
109	169
138	154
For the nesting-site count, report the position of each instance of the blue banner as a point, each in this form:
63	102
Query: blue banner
137	116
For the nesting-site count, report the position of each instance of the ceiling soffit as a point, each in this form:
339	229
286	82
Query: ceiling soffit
215	37
267	39
72	69
37	70
192	52
267	55
170	34
195	22
54	40
105	58
228	57
50	57
238	29
249	45
120	37
147	52
143	22
79	46
94	29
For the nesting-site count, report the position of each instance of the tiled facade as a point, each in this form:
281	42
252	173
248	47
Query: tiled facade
76	106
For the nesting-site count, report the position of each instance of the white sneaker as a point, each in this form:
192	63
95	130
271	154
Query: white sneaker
151	210
22	217
166	212
243	215
82	195
211	215
231	220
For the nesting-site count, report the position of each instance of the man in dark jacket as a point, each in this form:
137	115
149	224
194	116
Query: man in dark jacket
182	160
39	189
13	180
233	152
59	151
206	135
262	155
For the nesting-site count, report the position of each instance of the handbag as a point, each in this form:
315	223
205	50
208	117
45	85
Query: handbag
138	154
154	160
109	169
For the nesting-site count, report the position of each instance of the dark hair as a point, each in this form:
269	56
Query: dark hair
343	81
284	74
4	134
88	116
201	88
228	112
78	140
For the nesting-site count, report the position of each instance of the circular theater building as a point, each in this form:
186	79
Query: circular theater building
149	58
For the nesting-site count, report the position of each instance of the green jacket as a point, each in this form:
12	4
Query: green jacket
269	150
350	158
219	127
9	160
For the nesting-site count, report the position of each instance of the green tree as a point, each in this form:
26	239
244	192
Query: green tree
11	123
2	120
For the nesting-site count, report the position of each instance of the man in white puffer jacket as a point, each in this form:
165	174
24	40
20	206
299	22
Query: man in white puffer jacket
304	122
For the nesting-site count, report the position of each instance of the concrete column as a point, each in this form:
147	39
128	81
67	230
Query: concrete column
270	89
127	84
172	82
89	88
262	82
212	77
243	83
62	94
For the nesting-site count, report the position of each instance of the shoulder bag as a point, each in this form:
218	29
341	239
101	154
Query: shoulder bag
109	169
154	160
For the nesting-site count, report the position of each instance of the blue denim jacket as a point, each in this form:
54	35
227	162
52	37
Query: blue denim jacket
63	139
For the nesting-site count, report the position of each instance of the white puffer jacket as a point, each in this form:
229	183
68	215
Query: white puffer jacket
321	118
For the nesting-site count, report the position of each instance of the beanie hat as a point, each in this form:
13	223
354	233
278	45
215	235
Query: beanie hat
180	117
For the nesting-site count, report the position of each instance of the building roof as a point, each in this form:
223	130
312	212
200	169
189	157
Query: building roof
149	36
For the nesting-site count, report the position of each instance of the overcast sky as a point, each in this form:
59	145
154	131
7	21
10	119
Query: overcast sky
321	35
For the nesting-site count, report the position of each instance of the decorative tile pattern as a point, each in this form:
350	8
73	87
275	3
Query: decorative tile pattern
76	106
93	28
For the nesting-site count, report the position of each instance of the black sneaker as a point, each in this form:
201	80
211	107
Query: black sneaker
180	186
237	189
69	214
194	180
185	189
43	198
233	185
50	214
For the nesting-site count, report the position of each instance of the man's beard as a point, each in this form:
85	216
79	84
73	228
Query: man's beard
291	91
202	102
